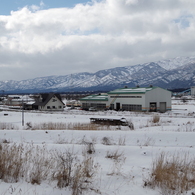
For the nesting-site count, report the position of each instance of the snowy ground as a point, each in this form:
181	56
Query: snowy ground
139	147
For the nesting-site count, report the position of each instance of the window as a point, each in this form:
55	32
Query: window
60	106
132	107
95	105
53	107
123	96
112	106
99	106
48	107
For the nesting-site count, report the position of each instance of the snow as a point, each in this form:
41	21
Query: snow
119	75
174	133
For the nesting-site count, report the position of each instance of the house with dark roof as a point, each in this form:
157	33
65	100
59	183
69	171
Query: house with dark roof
49	102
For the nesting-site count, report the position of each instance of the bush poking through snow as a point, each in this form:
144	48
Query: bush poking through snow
155	118
35	164
115	155
106	141
7	126
74	173
119	159
173	174
121	141
11	162
131	125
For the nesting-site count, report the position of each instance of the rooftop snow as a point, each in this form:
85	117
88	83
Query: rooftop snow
131	90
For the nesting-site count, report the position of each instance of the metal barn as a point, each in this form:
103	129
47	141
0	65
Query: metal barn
140	99
132	99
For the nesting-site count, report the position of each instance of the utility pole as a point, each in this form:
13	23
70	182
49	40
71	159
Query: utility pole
22	112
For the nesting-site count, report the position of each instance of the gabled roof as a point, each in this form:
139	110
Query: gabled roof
46	97
135	90
100	97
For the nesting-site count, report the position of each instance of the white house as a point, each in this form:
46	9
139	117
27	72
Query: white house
132	99
49	102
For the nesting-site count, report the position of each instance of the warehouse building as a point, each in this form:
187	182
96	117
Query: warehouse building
132	99
99	102
140	99
193	91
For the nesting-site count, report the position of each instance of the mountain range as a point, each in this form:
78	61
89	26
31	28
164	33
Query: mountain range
170	74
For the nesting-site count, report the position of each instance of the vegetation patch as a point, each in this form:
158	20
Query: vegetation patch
173	174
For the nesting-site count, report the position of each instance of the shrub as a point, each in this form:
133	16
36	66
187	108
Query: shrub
173	174
131	125
155	118
115	155
7	126
35	164
11	162
74	173
106	141
121	141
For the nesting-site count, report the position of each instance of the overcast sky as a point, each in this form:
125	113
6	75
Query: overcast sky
44	38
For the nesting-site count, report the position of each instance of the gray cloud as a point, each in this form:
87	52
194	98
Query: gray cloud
94	36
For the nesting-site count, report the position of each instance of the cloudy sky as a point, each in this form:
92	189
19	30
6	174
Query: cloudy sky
43	38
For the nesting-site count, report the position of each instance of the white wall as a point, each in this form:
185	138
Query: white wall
137	101
193	91
57	103
158	95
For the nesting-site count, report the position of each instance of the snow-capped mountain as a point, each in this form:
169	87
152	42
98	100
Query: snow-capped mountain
172	73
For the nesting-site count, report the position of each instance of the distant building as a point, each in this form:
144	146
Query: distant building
100	102
49	102
131	99
193	91
17	100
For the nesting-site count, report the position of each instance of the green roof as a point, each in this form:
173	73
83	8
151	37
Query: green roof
136	90
95	98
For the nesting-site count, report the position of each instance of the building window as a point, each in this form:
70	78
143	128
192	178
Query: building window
112	106
95	105
132	107
48	107
124	96
60	106
98	106
53	107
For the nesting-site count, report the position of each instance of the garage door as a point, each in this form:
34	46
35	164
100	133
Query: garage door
162	106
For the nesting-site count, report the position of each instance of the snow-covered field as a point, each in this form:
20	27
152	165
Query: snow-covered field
174	133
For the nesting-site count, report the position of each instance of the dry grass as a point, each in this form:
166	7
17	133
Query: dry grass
74	173
115	155
65	126
187	127
11	162
7	126
118	161
106	141
121	141
35	164
155	118
173	174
